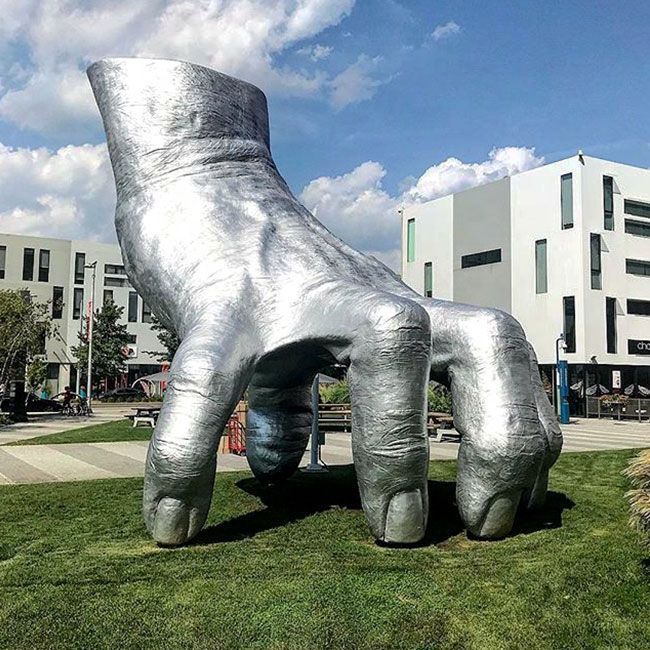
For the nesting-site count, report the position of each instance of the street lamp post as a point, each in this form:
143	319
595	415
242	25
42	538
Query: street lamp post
89	381
562	394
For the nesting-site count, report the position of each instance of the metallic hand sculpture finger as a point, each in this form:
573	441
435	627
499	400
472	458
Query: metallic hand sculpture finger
262	295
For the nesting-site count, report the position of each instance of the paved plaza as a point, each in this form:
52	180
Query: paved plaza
84	461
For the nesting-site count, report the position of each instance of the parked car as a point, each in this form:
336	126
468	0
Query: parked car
123	393
36	404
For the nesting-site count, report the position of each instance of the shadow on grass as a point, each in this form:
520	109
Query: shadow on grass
307	494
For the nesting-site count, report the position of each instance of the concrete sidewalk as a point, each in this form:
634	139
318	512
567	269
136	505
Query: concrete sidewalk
73	462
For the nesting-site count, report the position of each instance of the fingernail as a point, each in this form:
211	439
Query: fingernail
171	523
405	518
500	516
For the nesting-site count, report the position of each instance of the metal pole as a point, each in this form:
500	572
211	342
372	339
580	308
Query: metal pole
89	381
314	460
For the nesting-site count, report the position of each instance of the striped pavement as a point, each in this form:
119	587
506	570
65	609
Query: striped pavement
77	461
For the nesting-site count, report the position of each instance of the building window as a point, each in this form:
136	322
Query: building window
132	339
428	279
479	259
638	307
541	274
28	264
566	200
133	307
596	265
146	313
569	305
79	270
410	240
637	267
637	208
608	202
57	302
114	269
108	296
610	318
3	261
77	303
43	265
116	282
637	228
53	371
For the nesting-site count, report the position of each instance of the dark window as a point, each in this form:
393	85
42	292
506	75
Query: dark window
43	265
79	264
637	267
3	261
132	339
114	269
637	208
53	370
410	240
610	318
566	200
146	313
57	302
479	259
133	307
28	264
115	282
638	307
569	304
596	265
428	279
77	303
541	274
637	228
608	202
108	296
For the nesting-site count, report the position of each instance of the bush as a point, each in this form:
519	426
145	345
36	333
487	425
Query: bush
338	393
439	399
638	471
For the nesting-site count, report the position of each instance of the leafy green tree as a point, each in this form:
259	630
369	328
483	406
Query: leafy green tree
25	326
168	340
438	398
338	393
36	374
110	344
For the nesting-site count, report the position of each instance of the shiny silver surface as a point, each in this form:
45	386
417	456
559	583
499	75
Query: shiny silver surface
263	296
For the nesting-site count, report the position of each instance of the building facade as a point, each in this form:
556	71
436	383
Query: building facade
54	271
565	248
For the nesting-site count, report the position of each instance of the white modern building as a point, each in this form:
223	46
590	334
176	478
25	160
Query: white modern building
54	271
565	248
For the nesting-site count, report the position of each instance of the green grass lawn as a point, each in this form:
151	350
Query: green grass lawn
294	567
106	432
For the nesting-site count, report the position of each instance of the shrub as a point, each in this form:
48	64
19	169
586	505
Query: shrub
439	399
638	471
338	393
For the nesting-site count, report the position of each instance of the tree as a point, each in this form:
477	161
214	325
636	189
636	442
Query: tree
110	344
168	340
25	326
36	374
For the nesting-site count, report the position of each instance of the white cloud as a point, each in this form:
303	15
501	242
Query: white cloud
67	193
239	37
445	31
356	83
356	207
316	52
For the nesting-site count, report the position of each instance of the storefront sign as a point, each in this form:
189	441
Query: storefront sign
638	347
616	379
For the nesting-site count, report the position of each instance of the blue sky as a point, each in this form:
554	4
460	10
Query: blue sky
369	100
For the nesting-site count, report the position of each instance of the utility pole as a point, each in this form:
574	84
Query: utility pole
91	317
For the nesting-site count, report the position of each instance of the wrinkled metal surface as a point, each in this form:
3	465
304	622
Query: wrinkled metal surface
263	296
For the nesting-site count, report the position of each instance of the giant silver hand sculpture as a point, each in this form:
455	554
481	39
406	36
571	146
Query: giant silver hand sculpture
262	295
